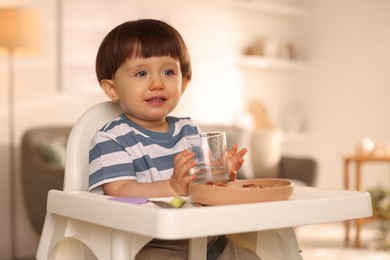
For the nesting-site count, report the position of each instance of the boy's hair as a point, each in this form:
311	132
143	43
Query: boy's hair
143	38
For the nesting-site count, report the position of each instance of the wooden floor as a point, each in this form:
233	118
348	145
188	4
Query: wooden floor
326	241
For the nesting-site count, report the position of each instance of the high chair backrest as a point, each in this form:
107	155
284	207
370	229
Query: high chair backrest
77	149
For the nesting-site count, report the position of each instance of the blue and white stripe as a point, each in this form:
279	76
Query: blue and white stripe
122	150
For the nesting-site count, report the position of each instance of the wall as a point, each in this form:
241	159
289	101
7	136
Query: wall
346	96
343	92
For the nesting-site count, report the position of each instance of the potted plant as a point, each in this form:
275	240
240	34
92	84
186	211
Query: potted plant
381	208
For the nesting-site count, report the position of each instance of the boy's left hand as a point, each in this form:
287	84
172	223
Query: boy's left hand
235	161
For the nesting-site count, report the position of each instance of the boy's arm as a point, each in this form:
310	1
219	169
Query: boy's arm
132	188
176	185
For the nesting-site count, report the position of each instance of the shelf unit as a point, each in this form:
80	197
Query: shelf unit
270	6
258	62
274	9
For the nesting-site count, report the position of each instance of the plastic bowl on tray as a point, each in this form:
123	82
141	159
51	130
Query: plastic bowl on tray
237	192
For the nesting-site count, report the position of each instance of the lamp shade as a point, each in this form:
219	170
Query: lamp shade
19	28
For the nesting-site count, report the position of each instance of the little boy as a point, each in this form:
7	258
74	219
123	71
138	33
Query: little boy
144	65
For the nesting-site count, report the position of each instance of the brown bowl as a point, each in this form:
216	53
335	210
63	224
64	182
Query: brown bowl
236	192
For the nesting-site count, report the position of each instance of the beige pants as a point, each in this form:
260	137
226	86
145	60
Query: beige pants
178	250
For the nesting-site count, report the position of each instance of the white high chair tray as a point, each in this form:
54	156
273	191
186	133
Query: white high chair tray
306	206
268	226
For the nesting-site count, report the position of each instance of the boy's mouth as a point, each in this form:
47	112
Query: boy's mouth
158	99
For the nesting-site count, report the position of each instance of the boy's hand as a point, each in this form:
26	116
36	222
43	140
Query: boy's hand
180	178
235	161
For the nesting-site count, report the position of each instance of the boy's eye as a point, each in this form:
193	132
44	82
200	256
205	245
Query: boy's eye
141	73
169	72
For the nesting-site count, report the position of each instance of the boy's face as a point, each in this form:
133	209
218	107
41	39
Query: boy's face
147	89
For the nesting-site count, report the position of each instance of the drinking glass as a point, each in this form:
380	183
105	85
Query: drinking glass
210	156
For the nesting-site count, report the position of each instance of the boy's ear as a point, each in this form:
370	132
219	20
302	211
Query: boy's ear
184	84
108	87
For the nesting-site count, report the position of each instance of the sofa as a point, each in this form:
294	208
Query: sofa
42	168
43	157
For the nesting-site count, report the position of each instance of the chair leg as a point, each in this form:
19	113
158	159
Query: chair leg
197	248
63	238
46	240
278	244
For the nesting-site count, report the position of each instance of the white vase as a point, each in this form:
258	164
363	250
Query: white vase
266	152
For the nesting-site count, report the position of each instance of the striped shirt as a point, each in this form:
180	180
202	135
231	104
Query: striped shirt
122	150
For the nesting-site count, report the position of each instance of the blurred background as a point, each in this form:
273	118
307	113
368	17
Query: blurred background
320	69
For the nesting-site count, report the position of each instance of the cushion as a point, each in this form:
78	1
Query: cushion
53	150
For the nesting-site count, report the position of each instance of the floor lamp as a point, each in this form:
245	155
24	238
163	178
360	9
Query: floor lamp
19	34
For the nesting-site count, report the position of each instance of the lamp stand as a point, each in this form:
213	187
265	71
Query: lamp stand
12	150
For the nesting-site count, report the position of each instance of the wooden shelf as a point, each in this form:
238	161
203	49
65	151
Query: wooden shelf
269	6
265	63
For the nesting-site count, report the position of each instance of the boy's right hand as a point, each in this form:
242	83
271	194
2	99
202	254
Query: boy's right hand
180	178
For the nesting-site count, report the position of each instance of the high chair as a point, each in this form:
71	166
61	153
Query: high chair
83	225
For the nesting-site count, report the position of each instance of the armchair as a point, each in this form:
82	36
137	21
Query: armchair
301	169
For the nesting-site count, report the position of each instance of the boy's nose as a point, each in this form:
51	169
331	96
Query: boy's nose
156	83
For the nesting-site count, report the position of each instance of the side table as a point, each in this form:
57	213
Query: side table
358	160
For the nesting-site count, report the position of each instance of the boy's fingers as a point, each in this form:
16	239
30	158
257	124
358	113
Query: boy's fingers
183	157
243	151
233	151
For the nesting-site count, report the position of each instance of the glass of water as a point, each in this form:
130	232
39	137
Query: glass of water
210	156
